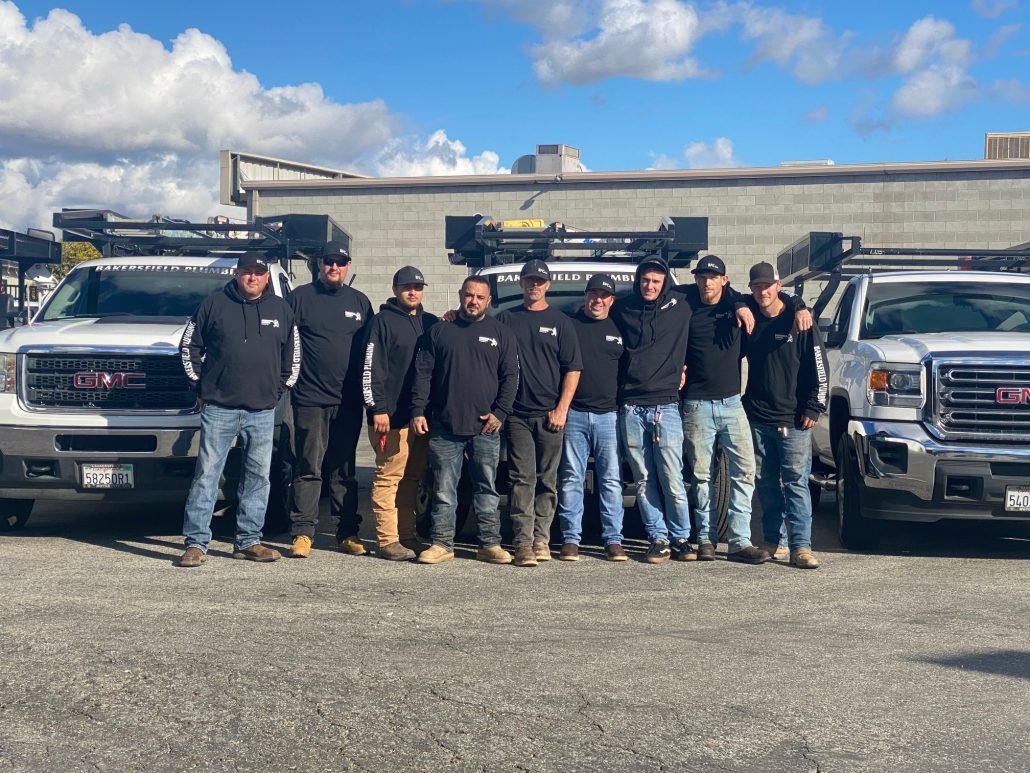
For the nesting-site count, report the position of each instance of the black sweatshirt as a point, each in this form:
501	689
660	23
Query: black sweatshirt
548	348
655	338
465	370
600	343
787	377
389	368
333	322
241	354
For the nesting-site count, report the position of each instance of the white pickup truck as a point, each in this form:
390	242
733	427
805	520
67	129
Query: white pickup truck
929	413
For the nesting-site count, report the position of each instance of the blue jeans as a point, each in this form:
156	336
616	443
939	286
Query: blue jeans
446	453
585	434
218	428
704	422
657	465
784	463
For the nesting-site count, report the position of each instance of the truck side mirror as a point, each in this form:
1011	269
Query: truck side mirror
831	336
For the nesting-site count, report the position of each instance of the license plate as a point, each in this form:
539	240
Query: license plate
1017	499
107	476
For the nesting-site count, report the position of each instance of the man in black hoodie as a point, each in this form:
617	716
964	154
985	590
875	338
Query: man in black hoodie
386	382
654	321
333	320
241	351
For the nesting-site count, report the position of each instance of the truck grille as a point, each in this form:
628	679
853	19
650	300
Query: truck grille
107	382
967	406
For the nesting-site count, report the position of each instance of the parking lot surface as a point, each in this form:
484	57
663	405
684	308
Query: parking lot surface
917	658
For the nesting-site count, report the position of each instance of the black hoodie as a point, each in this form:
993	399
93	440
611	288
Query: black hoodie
389	370
655	337
241	354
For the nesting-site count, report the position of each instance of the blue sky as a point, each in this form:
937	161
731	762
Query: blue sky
91	109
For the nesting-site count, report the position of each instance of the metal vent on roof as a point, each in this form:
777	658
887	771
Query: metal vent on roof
1006	145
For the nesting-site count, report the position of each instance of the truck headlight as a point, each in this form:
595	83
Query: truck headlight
895	384
8	384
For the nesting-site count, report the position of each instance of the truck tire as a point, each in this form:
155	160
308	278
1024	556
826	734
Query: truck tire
14	513
720	494
856	531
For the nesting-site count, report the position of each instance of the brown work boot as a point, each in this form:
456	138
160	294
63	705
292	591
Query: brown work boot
301	547
193	556
542	551
803	558
395	551
705	551
258	553
778	552
569	552
493	554
352	546
615	552
435	554
524	556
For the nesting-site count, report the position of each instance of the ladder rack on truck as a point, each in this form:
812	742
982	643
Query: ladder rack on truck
26	250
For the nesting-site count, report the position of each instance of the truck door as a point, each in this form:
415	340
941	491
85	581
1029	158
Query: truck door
835	337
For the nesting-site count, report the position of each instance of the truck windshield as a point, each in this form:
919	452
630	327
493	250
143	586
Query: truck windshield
945	307
565	293
134	291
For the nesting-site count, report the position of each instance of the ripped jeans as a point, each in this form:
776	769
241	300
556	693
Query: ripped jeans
704	421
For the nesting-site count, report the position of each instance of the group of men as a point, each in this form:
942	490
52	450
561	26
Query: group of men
653	376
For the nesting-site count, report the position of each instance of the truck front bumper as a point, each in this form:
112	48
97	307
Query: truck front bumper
46	463
911	476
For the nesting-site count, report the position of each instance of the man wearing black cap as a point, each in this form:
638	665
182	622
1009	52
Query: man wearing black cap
241	352
786	393
386	381
333	319
712	409
549	367
654	321
592	425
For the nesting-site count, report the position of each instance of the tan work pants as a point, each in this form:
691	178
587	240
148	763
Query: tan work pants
399	469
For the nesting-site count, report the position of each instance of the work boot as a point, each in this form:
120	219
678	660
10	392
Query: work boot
414	544
569	552
301	547
352	546
493	554
658	553
542	551
705	551
258	553
435	554
524	556
681	550
395	551
778	552
615	552
803	558
748	555
193	556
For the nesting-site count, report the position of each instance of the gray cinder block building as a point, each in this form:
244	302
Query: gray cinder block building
753	213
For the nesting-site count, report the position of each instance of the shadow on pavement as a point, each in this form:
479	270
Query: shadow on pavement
1014	663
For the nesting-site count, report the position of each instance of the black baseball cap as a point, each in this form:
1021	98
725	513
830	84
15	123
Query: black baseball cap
336	250
408	275
536	268
252	258
712	263
763	273
601	282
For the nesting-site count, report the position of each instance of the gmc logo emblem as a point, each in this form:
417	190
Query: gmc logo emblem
90	379
1012	395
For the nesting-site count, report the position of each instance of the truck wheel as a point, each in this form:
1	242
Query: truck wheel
14	513
856	531
720	495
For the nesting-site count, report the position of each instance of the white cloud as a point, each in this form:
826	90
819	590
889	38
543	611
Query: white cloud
992	9
818	115
801	44
438	155
998	39
661	161
1012	90
935	64
711	155
119	120
647	39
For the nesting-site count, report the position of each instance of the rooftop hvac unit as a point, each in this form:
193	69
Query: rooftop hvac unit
1008	145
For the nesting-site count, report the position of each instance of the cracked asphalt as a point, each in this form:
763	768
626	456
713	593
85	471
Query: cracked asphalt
917	658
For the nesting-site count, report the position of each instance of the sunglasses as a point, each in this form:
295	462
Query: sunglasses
335	261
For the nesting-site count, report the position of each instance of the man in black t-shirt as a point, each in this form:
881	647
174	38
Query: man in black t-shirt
592	425
549	367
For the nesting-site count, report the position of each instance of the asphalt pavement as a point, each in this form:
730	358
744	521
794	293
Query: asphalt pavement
915	658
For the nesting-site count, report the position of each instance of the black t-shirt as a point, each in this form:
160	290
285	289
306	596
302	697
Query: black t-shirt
548	347
713	348
600	344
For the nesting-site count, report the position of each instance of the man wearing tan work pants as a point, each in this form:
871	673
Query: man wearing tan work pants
389	370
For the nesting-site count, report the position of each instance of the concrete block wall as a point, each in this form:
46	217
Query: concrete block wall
749	219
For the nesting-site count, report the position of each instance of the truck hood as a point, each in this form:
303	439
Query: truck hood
95	334
914	348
